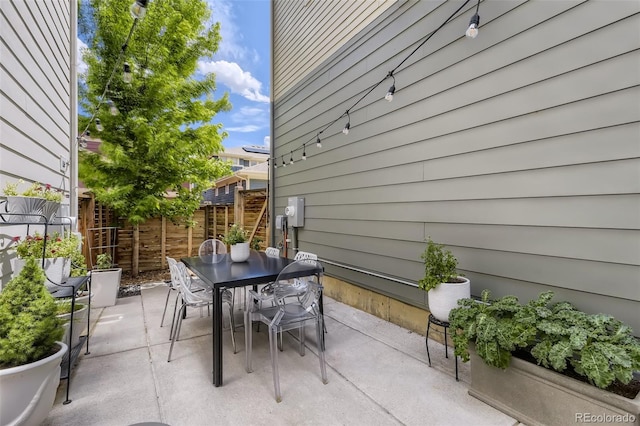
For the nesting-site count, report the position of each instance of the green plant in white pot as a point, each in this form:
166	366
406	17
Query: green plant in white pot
442	281
239	242
30	348
62	256
23	206
105	281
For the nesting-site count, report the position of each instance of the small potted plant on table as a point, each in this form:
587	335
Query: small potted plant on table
30	348
105	281
442	281
237	239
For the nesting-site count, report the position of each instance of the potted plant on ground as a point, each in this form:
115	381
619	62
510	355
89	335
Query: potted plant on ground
237	239
30	348
79	320
62	256
105	281
442	281
578	356
23	207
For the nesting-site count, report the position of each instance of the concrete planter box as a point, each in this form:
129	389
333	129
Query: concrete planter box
535	395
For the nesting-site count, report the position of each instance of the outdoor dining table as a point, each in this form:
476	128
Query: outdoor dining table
258	269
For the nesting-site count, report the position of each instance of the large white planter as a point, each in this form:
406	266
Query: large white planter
28	391
79	325
240	252
104	286
445	296
19	205
57	270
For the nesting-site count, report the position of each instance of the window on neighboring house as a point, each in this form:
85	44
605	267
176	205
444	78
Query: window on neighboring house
226	189
244	163
216	191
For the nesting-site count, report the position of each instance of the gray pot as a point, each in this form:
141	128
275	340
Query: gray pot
20	207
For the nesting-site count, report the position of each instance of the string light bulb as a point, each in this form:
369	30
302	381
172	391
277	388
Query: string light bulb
126	75
275	164
113	109
304	151
472	31
348	125
392	89
284	164
99	126
318	143
138	9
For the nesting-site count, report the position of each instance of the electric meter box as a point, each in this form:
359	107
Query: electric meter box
295	212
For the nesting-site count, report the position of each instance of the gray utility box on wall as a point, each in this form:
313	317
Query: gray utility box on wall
295	211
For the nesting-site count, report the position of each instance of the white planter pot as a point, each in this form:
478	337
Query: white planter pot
240	252
57	270
445	296
79	325
28	391
24	205
104	286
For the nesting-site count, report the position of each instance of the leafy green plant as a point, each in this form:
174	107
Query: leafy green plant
439	266
11	189
56	246
64	307
598	347
104	261
255	243
35	190
235	235
29	327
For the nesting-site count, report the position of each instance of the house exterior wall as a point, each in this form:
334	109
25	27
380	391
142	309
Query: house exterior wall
35	97
310	31
519	150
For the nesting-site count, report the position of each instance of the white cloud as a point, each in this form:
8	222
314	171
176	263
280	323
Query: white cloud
267	141
81	65
231	75
231	46
243	129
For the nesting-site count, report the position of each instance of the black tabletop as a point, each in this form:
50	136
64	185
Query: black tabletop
258	269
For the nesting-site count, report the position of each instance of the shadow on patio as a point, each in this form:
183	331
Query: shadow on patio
378	375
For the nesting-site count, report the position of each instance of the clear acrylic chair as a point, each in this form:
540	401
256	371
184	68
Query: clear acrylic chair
296	293
195	299
174	285
212	251
305	255
266	292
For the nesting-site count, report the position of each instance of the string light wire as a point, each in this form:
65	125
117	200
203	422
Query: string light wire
390	74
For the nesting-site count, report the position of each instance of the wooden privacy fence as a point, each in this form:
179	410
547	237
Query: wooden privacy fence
157	238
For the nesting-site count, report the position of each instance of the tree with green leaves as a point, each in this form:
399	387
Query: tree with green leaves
156	131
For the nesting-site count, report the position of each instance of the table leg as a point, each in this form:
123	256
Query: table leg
217	336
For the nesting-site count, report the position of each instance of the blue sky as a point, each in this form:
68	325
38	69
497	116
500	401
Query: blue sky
242	68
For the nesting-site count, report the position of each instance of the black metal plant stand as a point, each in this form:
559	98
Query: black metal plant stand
66	290
445	326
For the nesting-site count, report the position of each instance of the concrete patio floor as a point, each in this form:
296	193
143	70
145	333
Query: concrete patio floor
378	375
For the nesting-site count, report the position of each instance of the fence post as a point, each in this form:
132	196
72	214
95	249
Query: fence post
135	253
163	243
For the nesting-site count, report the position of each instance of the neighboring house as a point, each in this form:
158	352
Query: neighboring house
246	156
519	149
38	117
254	177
